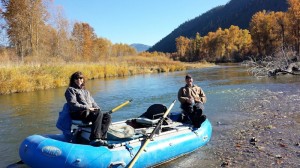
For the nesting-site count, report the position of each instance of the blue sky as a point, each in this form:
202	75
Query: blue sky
135	21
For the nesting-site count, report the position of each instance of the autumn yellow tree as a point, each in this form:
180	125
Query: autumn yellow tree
182	44
60	44
237	43
282	29
293	15
223	45
83	37
269	31
214	45
244	44
260	29
219	45
25	20
196	46
120	49
102	49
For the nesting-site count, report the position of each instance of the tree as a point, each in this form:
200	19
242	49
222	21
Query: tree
83	36
244	44
182	44
282	24
102	49
61	46
278	30
197	46
120	50
2	29
25	19
265	30
293	15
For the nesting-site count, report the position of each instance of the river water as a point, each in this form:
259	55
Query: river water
228	88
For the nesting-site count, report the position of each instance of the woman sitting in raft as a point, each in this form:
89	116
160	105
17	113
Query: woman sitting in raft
83	107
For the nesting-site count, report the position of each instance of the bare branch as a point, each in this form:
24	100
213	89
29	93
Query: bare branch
282	62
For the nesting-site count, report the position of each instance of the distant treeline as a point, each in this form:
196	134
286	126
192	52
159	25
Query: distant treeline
269	32
234	12
36	35
44	49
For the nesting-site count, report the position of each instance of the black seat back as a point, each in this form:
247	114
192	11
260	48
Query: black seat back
155	111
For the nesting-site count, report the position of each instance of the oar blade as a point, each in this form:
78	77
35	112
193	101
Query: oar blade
151	136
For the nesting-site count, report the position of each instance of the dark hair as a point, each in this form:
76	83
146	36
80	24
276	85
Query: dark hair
75	76
188	76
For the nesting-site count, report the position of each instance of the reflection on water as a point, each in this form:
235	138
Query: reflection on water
227	89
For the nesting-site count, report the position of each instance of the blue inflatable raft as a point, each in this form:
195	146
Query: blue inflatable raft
174	140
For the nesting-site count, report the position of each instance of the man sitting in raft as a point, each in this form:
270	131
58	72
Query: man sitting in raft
192	98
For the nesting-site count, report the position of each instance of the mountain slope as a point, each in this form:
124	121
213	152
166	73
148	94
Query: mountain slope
140	47
235	12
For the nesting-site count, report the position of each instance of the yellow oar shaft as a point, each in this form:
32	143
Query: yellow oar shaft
120	106
139	153
150	137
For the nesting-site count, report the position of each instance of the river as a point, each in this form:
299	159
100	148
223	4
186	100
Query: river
227	87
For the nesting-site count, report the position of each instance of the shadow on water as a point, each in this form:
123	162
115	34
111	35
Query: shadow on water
228	89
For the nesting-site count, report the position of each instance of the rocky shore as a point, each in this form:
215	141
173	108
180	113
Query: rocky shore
268	137
263	132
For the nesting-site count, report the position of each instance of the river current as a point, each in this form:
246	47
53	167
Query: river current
228	88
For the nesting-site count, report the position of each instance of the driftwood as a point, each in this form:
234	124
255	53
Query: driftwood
282	62
292	68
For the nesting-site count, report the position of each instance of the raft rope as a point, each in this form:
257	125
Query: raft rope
129	148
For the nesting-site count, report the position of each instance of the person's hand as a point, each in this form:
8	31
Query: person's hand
93	109
191	100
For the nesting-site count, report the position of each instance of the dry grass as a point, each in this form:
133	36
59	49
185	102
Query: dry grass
27	77
198	65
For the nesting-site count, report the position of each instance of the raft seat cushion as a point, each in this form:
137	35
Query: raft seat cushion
155	111
80	123
147	121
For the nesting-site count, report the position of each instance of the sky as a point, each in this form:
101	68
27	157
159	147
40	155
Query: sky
135	21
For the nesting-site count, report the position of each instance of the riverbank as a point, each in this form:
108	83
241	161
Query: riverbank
268	137
17	78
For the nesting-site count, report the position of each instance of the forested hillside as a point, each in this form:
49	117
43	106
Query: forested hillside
235	12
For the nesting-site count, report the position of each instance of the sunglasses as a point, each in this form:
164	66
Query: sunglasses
79	78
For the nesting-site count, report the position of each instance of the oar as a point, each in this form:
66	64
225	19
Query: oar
111	111
14	165
119	106
151	135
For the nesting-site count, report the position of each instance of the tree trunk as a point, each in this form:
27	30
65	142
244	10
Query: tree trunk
293	68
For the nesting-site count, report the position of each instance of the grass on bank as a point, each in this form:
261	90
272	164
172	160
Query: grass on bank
16	78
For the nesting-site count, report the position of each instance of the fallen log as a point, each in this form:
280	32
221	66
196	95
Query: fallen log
292	68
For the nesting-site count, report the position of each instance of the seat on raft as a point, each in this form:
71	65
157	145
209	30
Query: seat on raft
115	132
80	123
153	115
146	121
